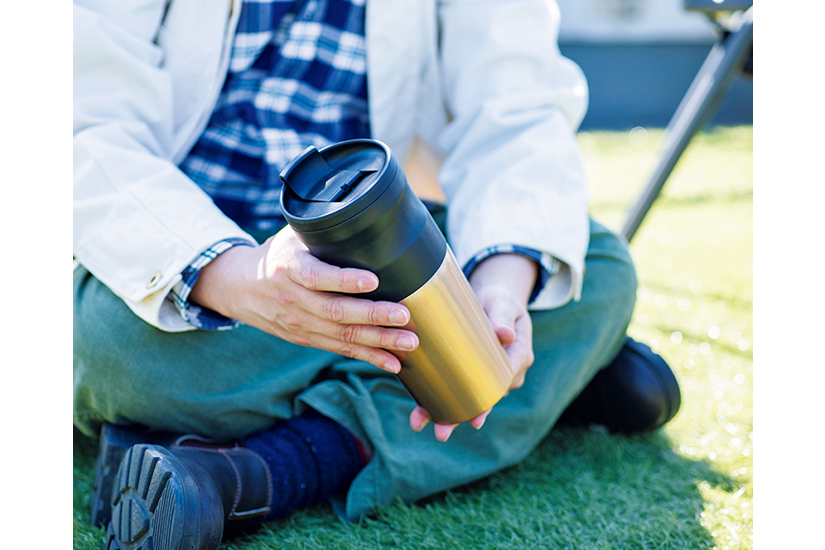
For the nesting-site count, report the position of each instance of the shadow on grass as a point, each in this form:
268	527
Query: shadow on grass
586	489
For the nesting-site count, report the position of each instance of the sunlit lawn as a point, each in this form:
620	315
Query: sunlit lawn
689	485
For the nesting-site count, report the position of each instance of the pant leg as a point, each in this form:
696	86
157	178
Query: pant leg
223	384
571	344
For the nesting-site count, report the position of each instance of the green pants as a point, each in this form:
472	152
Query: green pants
229	384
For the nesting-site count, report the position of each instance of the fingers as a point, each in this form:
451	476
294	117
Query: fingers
286	253
381	358
518	381
313	274
376	337
514	328
357	328
479	420
350	310
323	279
444	431
520	351
419	418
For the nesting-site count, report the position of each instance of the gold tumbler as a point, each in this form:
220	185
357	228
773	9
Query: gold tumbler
351	205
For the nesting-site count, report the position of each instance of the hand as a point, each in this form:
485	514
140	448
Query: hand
503	284
280	288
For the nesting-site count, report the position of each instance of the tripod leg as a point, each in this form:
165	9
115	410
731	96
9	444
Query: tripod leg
711	83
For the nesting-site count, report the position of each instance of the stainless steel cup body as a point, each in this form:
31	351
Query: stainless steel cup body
459	369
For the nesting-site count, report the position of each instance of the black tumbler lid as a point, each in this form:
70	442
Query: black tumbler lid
351	205
327	187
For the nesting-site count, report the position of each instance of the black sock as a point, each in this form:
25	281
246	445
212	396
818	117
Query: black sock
310	457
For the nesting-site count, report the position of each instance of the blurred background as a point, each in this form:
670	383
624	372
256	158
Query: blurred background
640	57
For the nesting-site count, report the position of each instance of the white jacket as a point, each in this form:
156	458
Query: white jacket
482	82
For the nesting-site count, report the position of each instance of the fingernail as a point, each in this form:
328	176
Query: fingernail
446	435
366	283
406	343
399	317
393	368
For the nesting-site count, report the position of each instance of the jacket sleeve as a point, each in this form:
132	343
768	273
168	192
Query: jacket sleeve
513	172
138	220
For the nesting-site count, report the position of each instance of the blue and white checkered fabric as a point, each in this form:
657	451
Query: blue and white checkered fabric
297	77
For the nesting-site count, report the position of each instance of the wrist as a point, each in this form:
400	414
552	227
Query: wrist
514	272
220	279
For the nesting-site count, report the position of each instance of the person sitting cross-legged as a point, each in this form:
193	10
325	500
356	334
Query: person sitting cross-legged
232	377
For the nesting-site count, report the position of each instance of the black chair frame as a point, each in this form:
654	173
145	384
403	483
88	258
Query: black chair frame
730	56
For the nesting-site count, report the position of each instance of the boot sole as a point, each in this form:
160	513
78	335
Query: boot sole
163	503
114	442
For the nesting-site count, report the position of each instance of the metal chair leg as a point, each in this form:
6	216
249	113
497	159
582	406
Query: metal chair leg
712	81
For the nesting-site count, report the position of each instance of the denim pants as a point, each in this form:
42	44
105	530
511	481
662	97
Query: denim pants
228	384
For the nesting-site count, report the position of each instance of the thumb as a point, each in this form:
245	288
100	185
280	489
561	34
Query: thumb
502	314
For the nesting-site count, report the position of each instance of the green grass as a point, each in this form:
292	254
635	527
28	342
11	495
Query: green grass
689	485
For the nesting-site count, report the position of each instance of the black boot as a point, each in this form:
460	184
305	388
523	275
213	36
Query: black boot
637	392
189	496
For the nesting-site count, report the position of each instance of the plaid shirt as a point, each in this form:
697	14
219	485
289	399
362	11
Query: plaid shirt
297	77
